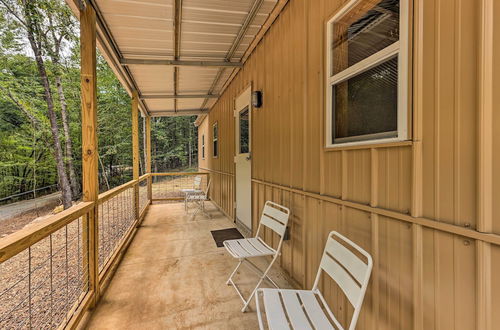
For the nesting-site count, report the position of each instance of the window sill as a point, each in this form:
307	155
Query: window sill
368	145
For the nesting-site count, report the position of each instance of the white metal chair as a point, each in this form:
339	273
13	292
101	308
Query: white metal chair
302	308
198	197
275	217
196	189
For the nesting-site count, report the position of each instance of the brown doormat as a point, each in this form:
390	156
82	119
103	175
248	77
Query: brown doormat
225	235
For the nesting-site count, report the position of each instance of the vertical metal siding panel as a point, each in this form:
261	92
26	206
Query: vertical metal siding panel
464	273
286	258
268	196
395	279
257	119
333	173
278	111
312	212
358	175
357	226
496	120
255	207
467	24
299	239
331	219
262	201
495	285
276	197
394	186
300	42
286	101
429	289
445	81
428	26
314	85
268	108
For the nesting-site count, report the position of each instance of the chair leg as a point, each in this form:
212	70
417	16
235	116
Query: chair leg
264	275
230	279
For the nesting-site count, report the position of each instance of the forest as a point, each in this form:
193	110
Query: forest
40	127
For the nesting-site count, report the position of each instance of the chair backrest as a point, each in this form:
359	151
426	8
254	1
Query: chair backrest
348	270
197	182
275	217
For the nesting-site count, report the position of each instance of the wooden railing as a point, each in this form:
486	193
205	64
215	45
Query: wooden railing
46	269
168	186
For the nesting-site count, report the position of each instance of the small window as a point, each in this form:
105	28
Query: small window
203	146
367	73
244	131
215	140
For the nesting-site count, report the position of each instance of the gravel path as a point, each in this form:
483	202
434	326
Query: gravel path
11	210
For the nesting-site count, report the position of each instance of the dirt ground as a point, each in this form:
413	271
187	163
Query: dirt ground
40	285
18	221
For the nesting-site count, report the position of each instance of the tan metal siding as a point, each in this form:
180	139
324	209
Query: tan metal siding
413	206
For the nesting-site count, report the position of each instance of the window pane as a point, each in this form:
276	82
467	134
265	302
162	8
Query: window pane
367	104
244	132
216	148
216	131
366	29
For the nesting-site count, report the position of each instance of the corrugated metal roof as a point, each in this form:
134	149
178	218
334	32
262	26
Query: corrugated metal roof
210	30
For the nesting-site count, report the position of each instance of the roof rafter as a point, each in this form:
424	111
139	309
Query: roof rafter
144	61
236	43
177	96
186	112
177	44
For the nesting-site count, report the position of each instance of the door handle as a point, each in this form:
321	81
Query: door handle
249	156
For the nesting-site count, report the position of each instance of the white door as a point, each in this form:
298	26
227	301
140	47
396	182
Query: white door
242	115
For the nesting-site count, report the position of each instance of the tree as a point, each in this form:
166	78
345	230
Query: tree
30	17
61	25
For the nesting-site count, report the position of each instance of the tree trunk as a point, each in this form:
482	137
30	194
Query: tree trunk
61	172
144	144
190	151
75	187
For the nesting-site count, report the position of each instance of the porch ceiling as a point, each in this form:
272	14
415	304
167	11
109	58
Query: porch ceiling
180	48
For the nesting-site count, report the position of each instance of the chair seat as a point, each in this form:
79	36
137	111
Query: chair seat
301	307
247	248
191	191
197	197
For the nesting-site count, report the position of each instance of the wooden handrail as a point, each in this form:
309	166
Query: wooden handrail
26	237
179	173
144	177
115	191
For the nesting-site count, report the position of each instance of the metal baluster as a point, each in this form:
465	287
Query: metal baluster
67	267
29	287
51	284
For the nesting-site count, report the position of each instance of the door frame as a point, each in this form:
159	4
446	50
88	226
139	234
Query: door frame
238	107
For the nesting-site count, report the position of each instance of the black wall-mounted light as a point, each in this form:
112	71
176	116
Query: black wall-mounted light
257	99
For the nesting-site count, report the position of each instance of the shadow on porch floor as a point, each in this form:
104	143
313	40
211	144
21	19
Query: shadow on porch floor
173	277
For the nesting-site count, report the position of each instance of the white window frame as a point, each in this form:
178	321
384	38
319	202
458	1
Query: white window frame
203	146
399	48
215	139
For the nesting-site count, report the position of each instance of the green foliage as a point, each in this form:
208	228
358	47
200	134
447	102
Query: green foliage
171	140
26	146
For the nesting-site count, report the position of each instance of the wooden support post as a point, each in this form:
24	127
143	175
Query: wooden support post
89	144
148	157
135	149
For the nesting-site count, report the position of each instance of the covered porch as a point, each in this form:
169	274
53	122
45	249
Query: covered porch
421	203
173	276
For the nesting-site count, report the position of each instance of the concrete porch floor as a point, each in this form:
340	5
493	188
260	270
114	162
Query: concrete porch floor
173	277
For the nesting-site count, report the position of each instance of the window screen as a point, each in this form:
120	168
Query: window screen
364	72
